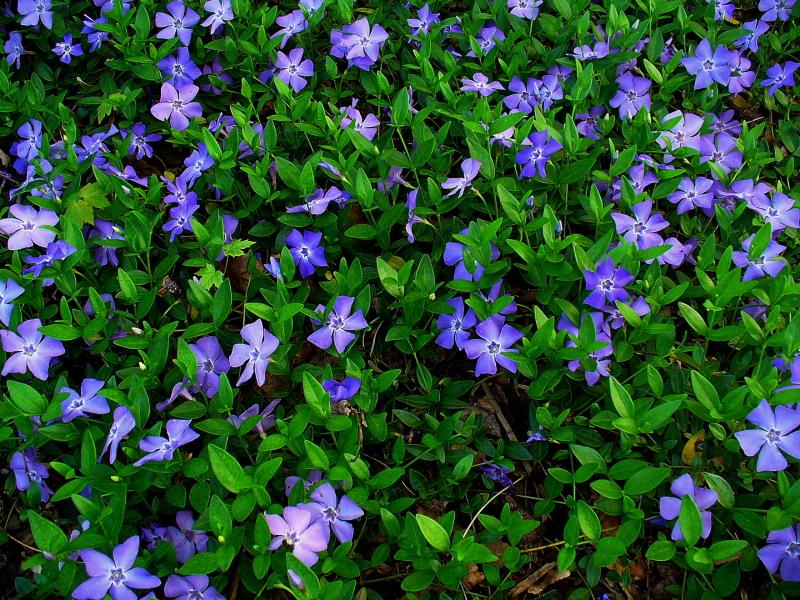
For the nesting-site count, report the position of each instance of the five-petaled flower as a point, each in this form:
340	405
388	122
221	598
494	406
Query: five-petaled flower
299	532
776	434
339	326
177	106
115	575
670	507
496	338
30	350
255	353
160	449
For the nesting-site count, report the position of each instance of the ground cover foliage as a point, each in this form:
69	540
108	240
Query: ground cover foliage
378	300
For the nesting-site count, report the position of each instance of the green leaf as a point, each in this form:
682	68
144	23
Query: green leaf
721	486
417	581
61	332
463	466
693	318
127	287
316	455
49	536
362	231
661	551
644	480
219	517
621	398
27	400
727	549
228	470
221	307
706	393
434	533
316	397
589	521
691	525
386	478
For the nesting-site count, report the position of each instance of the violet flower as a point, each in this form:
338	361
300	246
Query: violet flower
587	124
176	105
779	211
721	150
198	162
255	353
776	435
524	9
642	228
221	12
690	194
314	476
741	79
191	587
27	469
293	69
139	141
339	326
115	575
180	219
413	219
341	390
488	37
87	401
454	253
94	35
769	263
455	328
66	49
211	362
481	84
363	42
306	250
497	473
708	65
121	426
34	12
424	21
187	541
749	41
538	148
25	227
366	126
776	9
607	284
524	97
782	553
105	230
327	509
55	252
496	338
30	134
632	95
179	69
267	419
780	76
179	433
670	507
30	350
178	22
470	167
293	23
13	49
9	290
298	532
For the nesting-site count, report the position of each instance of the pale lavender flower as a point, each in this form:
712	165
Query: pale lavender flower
178	22
160	449
587	124
642	228
27	469
524	97
29	350
293	69
496	339
779	211
177	106
782	553
211	363
776	434
221	12
290	24
690	194
266	417
670	507
366	126
26	227
187	540
302	534
339	326
776	9
326	508
34	12
191	587
13	49
470	168
524	9
721	150
481	84
121	426
741	79
749	41
769	263
87	401
9	290
255	353
116	575
780	76
424	21
632	96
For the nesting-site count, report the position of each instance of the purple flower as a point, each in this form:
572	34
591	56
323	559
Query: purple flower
547	90
66	49
267	419
776	9
191	587
779	211
34	12
339	325
741	79
769	263
413	219
632	95
121	426
366	126
607	284
314	476
211	362
721	150
115	575
177	106
525	9
178	22
586	52
187	541
312	6
326	508
756	28
488	37
504	138
496	338
221	12
139	141
690	194
105	230
722	9
780	76
600	357
88	401
342	390
363	42
13	48
642	227
424	21
497	473
216	69
708	65
774	436
55	252
196	163
782	552
539	147
293	23
670	507
26	227
9	290
454	328
160	449
27	469
31	350
480	83
255	353
293	69
30	134
470	167
306	250
524	97
180	218
179	69
297	530
587	124
639	306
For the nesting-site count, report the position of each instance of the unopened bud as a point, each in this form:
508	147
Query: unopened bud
142	366
136	330
221	539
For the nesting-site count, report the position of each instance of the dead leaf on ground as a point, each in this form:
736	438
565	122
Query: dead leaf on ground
538	581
